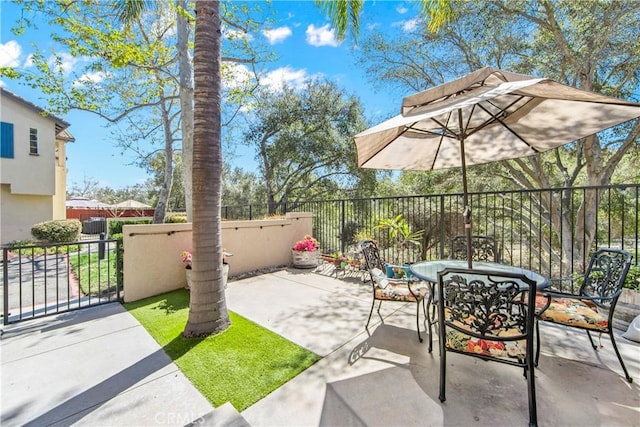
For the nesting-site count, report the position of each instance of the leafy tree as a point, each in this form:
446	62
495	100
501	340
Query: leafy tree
134	75
90	188
304	145
590	45
345	14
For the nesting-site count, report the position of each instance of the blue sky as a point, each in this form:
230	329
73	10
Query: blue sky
302	39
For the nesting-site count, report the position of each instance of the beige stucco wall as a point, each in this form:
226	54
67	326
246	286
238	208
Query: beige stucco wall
152	263
25	173
33	186
19	212
60	196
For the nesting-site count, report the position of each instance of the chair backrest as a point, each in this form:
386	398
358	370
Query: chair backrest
371	255
483	248
605	275
493	307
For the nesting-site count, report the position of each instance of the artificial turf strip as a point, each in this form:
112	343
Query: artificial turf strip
241	365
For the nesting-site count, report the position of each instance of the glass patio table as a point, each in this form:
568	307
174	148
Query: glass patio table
428	270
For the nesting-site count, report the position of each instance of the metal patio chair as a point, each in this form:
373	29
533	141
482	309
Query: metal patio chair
407	289
483	248
488	315
593	307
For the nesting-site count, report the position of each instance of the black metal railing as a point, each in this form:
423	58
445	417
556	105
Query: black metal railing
40	280
551	231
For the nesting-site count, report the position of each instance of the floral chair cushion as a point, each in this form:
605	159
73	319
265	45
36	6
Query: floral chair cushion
572	312
459	341
399	291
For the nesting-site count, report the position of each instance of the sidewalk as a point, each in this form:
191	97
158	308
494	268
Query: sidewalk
95	366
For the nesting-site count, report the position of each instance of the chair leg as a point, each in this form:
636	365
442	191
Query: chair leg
443	373
535	363
418	320
615	347
429	326
531	385
370	313
595	347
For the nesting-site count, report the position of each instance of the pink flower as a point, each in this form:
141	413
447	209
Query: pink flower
187	256
309	244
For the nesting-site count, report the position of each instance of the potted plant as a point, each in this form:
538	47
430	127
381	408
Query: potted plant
305	253
631	288
186	260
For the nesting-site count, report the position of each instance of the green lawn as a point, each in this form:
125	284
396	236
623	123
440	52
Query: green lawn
242	365
93	274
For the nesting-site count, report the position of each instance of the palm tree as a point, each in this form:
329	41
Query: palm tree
345	14
207	306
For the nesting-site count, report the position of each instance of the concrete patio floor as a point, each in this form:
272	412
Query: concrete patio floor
387	378
99	367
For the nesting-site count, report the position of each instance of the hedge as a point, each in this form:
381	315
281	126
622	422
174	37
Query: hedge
57	231
176	219
115	225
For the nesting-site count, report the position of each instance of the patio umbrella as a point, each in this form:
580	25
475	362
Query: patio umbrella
485	116
132	204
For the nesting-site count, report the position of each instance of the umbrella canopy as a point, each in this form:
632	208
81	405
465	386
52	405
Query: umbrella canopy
132	204
486	116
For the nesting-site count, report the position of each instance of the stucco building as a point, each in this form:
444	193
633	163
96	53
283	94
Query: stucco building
33	173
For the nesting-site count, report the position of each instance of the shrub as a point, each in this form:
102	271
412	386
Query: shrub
633	278
57	231
115	225
176	219
120	249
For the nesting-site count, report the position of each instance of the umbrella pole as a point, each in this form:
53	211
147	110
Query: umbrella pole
467	209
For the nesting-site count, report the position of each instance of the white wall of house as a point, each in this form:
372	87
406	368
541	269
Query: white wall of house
33	183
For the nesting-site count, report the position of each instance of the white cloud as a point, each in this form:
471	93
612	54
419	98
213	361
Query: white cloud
401	10
411	24
90	78
277	35
408	25
321	36
233	34
10	54
29	61
280	77
67	62
235	75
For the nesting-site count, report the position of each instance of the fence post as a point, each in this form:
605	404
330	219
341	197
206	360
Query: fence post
101	246
442	233
5	286
342	225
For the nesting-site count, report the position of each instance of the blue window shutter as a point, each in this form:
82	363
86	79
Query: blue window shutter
6	140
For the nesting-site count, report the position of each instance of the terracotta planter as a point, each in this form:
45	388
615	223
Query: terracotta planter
304	259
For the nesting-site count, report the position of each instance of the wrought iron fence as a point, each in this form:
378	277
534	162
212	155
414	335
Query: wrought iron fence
40	280
551	231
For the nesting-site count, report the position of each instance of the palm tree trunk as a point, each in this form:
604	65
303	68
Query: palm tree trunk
207	307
